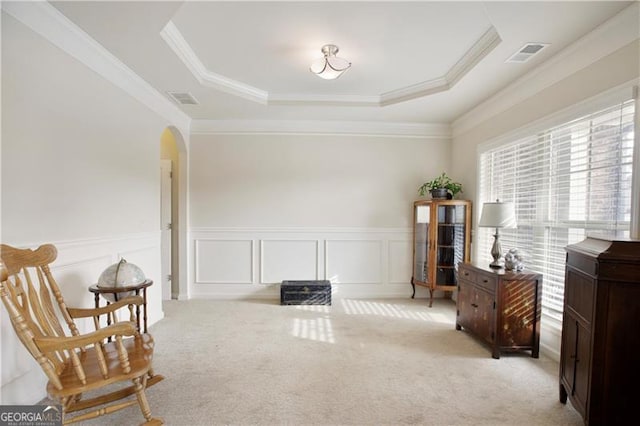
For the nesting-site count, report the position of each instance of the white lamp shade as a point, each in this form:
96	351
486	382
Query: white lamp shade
498	215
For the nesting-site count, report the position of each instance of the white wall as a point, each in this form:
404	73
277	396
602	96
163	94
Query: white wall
80	169
80	158
265	208
297	180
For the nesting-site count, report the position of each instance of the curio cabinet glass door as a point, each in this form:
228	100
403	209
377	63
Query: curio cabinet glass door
441	240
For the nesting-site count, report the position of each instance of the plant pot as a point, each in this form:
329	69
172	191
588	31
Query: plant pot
439	193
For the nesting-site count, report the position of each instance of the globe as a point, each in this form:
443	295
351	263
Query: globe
121	274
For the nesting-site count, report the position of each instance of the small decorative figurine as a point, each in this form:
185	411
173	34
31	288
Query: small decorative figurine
513	260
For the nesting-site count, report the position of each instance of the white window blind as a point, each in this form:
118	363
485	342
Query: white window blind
567	181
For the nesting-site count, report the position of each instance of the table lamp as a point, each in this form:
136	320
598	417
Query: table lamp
497	215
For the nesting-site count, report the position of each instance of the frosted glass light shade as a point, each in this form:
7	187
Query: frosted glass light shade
330	67
498	215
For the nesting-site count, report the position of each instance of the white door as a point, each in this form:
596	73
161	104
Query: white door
165	227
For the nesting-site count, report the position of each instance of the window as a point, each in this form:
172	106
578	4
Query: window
566	182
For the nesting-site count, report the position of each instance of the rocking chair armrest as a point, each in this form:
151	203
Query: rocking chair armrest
111	307
50	344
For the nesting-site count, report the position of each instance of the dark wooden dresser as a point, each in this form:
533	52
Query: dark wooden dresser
599	357
500	307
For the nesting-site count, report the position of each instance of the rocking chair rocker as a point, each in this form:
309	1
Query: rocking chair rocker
81	362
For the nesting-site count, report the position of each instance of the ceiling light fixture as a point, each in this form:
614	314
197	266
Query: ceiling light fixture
330	67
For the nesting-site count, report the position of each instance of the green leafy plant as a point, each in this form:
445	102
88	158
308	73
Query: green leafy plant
441	182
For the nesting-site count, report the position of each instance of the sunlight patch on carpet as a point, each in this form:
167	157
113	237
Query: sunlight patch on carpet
362	307
318	329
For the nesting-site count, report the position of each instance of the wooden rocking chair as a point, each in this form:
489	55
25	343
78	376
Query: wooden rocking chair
80	362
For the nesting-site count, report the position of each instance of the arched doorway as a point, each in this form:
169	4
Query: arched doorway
173	213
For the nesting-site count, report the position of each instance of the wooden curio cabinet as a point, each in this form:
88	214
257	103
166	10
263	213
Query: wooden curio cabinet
599	370
441	240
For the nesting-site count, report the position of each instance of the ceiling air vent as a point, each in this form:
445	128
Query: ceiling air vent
526	52
183	98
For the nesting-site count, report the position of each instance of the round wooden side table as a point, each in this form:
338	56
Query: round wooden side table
116	291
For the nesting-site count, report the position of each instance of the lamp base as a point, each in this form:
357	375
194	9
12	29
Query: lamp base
496	252
497	264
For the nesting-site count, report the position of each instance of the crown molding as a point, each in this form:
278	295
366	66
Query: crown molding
485	44
481	48
605	39
325	100
314	127
46	20
174	39
415	91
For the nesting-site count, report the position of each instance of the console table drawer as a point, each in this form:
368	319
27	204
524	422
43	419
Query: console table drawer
487	281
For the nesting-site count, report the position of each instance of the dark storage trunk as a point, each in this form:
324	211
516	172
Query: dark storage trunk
305	293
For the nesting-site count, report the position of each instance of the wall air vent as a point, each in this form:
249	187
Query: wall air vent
183	98
526	52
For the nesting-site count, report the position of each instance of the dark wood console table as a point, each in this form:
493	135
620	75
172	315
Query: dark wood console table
503	308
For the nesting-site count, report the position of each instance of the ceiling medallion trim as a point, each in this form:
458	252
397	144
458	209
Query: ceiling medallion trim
480	49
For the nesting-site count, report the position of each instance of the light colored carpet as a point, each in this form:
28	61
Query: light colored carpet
358	362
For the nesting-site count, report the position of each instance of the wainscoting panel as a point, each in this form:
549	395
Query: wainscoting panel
354	262
400	262
78	266
224	261
288	260
359	262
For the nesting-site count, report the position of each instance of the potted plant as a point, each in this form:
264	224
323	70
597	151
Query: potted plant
441	187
